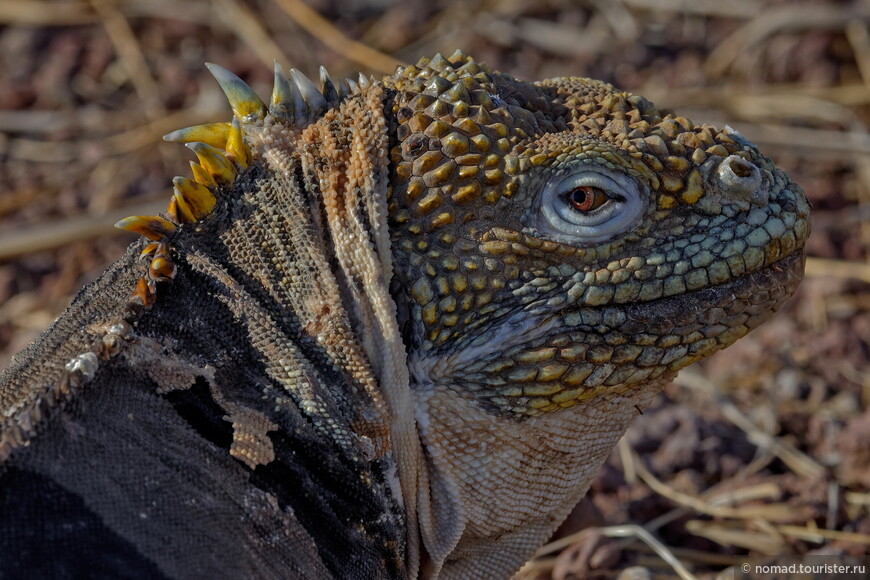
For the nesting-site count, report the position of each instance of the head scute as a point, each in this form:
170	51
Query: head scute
235	146
153	227
286	97
313	99
197	200
328	88
364	82
214	134
352	86
246	104
215	161
222	154
297	101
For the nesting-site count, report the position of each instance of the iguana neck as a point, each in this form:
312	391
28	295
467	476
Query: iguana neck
355	205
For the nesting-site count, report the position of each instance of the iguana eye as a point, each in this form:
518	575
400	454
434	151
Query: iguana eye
590	205
586	198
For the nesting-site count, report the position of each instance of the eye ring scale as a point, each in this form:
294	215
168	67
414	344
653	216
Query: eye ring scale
589	206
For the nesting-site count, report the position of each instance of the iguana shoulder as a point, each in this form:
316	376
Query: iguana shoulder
389	328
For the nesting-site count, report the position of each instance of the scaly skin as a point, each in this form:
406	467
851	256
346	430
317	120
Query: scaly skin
512	324
466	284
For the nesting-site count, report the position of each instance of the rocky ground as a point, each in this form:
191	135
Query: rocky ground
763	449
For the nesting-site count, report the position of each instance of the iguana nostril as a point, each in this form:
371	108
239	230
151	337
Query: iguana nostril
739	176
741	168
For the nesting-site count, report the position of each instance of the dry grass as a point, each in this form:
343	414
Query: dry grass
87	88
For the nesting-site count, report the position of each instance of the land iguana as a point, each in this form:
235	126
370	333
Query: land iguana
388	329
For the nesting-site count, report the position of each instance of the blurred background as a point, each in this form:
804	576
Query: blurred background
764	449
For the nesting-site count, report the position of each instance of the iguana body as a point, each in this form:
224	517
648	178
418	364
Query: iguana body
386	332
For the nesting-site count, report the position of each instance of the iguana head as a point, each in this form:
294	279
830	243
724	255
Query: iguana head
642	241
556	251
564	248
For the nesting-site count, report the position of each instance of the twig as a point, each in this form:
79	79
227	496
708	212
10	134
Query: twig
819	535
151	133
622	531
857	498
741	9
132	58
552	37
769	529
533	568
779	511
37	122
833	504
45	13
735	98
14	200
323	30
834	144
697	556
827	268
196	11
29	13
118	144
109	179
50	235
666	518
631	530
859	39
621	21
562	543
102	122
628	460
767	490
796	460
774	20
239	19
725	535
42	151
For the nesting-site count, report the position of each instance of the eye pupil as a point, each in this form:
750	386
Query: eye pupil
586	198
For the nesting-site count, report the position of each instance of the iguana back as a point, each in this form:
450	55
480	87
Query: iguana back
388	329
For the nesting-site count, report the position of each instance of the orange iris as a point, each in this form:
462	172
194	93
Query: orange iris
587	198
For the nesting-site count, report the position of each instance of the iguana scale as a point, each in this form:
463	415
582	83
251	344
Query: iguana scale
388	329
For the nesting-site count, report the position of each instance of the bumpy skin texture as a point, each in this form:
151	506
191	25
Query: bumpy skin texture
387	332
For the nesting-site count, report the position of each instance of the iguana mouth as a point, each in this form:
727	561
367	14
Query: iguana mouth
614	347
707	313
758	294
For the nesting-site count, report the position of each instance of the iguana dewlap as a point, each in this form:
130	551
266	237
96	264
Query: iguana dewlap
387	329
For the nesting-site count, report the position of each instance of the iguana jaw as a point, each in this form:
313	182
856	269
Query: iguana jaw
490	436
532	362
